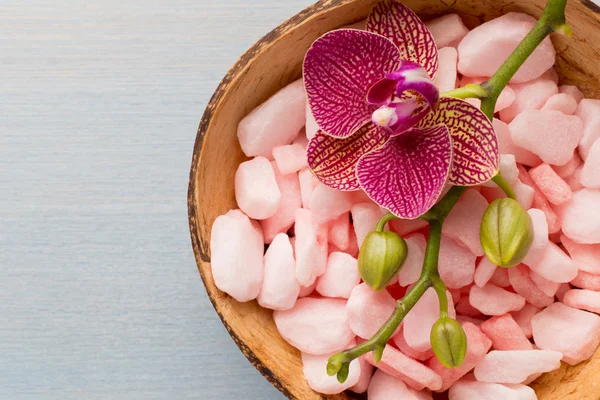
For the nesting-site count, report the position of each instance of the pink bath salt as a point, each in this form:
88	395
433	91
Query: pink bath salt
404	227
341	276
236	247
555	138
274	123
500	278
311	125
506	98
307	290
523	285
590	173
368	310
588	300
447	30
464	221
555	265
523	318
387	387
505	333
256	190
548	287
366	373
411	270
525	194
311	248
540	237
314	368
589	112
419	321
463	319
446	76
404	347
563	102
572	91
493	300
492	193
301	139
315	326
586	256
308	183
327	204
456	295
574	180
290	158
365	217
569	168
515	366
339	231
540	202
456	264
353	249
280	288
529	96
508	168
562	290
556	190
581	217
464	307
478	346
484	272
507	146
291	200
573	332
484	49
474	390
411	372
585	280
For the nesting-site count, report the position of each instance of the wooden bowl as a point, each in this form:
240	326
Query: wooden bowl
276	61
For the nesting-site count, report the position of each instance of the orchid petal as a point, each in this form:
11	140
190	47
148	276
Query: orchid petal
475	145
382	91
401	25
333	160
339	68
408	174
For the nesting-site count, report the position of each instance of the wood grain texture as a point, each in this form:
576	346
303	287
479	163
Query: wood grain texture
275	61
100	100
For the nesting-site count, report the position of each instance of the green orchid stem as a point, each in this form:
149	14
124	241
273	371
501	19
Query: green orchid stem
440	290
505	186
383	221
429	278
552	20
472	90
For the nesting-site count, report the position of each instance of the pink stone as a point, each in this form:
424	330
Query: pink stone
405	226
571	90
573	332
419	321
523	318
473	390
515	366
464	221
366	373
456	264
529	96
574	181
507	146
411	372
556	190
353	246
388	387
307	290
327	204
588	300
505	333
590	173
365	217
589	112
274	123
291	200
236	247
339	231
492	300
563	102
314	368
581	217
585	280
555	138
562	290
301	139
586	256
569	168
446	76
540	202
290	158
478	346
308	183
555	265
341	276
311	248
525	194
523	285
280	288
411	270
508	168
540	237
256	190
506	98
548	287
464	307
484	49
483	273
447	30
404	347
491	193
368	310
315	326
463	319
500	278
311	125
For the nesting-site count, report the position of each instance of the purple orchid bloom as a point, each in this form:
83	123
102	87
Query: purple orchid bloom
382	124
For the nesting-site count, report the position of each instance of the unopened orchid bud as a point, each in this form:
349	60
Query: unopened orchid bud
449	342
506	232
382	254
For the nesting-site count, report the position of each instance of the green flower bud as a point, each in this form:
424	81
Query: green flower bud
506	232
449	342
382	254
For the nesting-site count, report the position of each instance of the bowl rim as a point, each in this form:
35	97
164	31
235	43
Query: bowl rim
233	74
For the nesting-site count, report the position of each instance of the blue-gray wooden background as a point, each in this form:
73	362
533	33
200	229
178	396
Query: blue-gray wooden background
99	105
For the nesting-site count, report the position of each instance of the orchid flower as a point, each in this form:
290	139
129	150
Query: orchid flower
382	124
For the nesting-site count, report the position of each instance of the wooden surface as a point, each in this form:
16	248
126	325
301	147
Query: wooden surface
100	101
